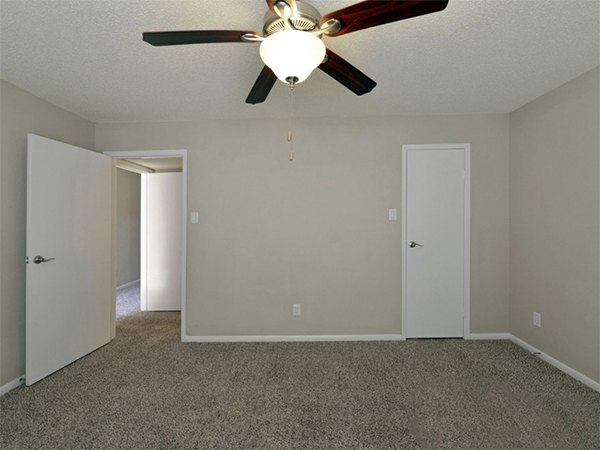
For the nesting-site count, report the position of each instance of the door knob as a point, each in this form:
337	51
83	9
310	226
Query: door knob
40	259
413	244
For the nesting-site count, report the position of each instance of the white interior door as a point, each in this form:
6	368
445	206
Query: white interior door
436	241
68	296
161	242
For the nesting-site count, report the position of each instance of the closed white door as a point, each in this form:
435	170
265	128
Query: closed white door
161	242
68	275
435	240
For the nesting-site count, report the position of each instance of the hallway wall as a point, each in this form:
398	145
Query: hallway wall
128	226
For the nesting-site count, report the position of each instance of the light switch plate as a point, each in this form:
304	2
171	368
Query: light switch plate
194	217
392	214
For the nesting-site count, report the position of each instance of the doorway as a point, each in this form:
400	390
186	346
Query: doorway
128	263
435	240
159	282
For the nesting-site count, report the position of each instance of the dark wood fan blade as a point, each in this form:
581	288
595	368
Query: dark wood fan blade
160	38
344	72
271	5
371	13
262	86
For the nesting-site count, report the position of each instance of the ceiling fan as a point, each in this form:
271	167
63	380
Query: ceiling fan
291	45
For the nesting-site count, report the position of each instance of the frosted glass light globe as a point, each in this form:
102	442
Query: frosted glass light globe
292	53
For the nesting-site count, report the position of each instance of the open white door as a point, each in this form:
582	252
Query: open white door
68	301
161	242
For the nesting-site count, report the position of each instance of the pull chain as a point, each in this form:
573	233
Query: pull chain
290	135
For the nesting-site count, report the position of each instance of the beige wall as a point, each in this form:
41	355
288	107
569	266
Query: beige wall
315	231
22	113
128	227
554	215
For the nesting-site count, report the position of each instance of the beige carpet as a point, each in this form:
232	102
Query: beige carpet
148	390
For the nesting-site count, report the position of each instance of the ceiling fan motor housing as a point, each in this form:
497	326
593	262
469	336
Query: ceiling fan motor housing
307	19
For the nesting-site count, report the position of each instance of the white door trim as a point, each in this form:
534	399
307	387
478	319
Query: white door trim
182	153
467	240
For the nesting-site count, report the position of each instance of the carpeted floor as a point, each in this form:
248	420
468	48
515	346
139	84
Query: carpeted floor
128	301
148	390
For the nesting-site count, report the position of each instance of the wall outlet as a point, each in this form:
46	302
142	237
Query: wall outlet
537	319
194	217
296	310
392	214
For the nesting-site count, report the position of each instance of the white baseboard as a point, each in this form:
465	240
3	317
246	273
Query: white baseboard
126	285
487	336
556	363
300	338
12	384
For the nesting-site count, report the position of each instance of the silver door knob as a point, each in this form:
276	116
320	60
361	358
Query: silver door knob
413	244
40	259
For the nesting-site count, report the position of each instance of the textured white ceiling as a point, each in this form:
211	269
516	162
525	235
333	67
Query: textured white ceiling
477	56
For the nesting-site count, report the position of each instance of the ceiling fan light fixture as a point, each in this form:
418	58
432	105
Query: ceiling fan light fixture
292	54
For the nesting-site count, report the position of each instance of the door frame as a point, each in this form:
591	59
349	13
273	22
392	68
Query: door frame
181	153
467	229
